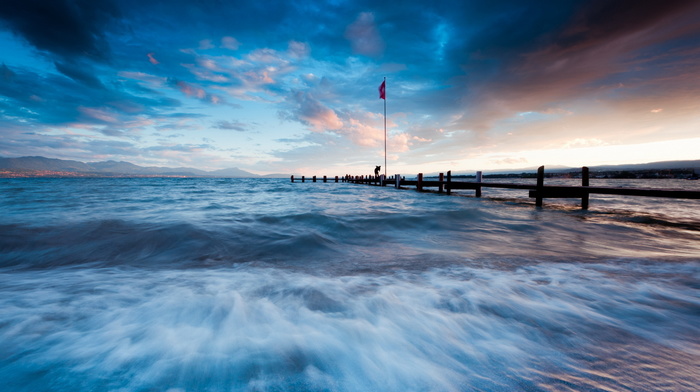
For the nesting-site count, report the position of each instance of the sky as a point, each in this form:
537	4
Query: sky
292	86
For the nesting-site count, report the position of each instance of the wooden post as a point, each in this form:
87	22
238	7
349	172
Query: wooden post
584	182
479	178
303	179
314	178
448	187
324	179
398	181
540	186
419	185
336	178
442	186
292	178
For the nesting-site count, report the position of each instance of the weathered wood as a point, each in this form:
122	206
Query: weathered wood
540	185
553	191
538	191
470	184
292	178
479	179
585	181
448	186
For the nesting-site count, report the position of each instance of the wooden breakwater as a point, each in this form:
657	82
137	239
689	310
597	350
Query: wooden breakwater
539	191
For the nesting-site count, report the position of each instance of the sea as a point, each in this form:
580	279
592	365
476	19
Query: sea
201	284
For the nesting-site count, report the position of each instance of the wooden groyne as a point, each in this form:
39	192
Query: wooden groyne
539	191
313	179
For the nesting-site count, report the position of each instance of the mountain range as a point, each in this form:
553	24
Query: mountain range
33	166
37	164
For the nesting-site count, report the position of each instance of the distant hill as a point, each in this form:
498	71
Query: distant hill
41	163
651	166
232	172
110	168
666	165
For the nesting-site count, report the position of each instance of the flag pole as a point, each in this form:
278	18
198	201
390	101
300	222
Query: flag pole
385	128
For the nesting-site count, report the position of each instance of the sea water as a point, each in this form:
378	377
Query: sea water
266	285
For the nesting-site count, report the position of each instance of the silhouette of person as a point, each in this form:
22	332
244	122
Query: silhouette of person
376	171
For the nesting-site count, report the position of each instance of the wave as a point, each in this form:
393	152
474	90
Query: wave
368	236
589	327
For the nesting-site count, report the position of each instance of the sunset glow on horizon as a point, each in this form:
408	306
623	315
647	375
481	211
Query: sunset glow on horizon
293	88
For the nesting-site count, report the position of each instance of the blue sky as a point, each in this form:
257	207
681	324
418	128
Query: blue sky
291	86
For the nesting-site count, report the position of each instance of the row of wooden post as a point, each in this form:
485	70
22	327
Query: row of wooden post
325	179
538	191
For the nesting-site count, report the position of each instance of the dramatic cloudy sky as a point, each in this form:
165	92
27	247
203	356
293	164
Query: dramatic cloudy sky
291	86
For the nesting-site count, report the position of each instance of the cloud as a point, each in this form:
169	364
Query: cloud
231	125
581	142
467	68
510	161
152	59
364	35
99	114
81	73
206	74
195	91
602	21
62	27
206	44
6	73
259	71
230	43
298	49
156	81
266	55
575	61
313	113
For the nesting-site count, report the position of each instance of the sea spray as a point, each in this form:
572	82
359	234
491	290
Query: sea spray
248	328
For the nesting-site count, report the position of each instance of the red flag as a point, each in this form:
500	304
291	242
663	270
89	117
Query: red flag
382	90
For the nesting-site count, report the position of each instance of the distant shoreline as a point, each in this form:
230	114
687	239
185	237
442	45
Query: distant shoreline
602	174
5	173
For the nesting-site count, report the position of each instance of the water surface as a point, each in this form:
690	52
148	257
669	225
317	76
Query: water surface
265	285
